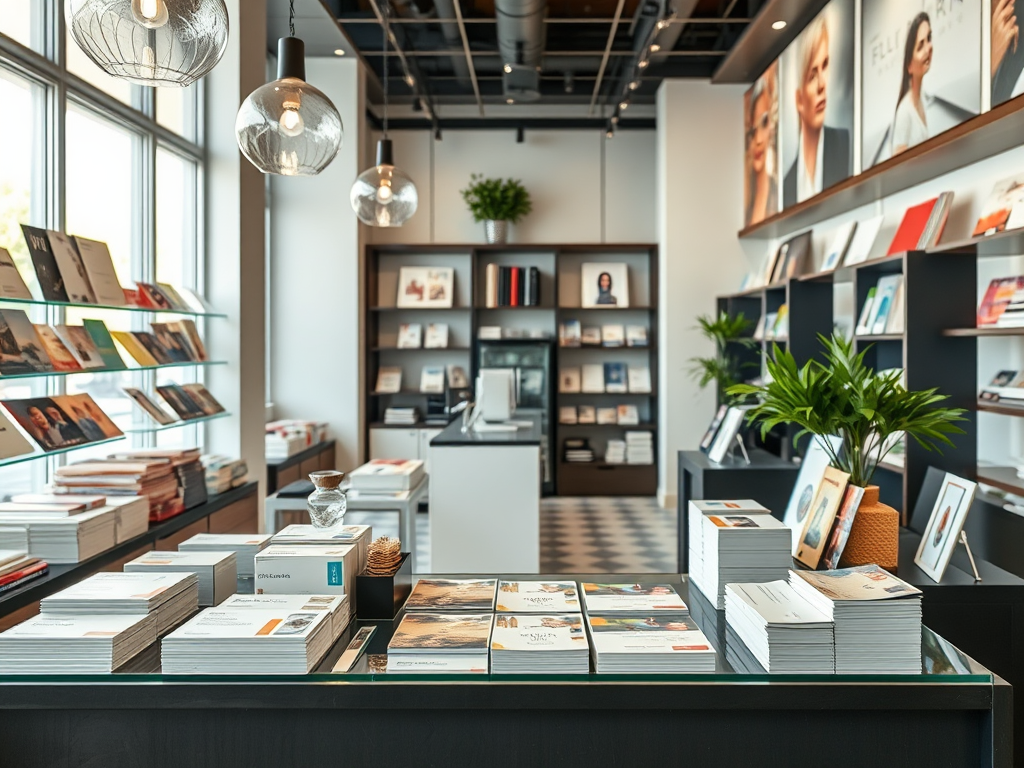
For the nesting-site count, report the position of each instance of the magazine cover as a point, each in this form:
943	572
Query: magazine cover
442	632
452	595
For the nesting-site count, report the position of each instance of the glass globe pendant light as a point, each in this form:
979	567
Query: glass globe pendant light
288	127
384	196
151	42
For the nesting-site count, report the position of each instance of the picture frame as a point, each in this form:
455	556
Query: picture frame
426	287
604	286
942	534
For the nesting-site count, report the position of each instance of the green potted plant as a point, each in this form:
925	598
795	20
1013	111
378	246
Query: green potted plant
496	202
840	395
725	368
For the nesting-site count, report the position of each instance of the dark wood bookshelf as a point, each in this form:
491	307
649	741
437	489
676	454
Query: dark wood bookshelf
1004	478
988	406
421	349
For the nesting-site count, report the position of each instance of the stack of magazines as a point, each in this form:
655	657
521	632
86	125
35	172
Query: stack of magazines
639	448
169	597
335	605
244	545
249	640
877	617
153	478
577	450
743	548
62	540
215	570
50	644
406	417
224	473
784	632
441	642
524	643
696	512
17	567
187	465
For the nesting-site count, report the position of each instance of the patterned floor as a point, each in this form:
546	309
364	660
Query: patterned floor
577	535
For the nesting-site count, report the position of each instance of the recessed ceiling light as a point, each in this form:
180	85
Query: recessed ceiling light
339	52
624	106
643	63
508	69
779	24
634	85
655	47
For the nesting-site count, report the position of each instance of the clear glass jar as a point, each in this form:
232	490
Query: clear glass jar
327	503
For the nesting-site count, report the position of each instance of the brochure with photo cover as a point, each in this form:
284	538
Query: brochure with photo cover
432	379
591	337
51	283
72	269
60	357
842	527
942	534
420	287
567	414
538	597
636	336
570	334
588	414
639	379
173	342
615	378
181	402
613	335
156	350
997	298
389	380
453	595
80	344
21	349
628	415
146	405
1005	201
12	443
150	296
12	285
823	512
716	422
526	632
604	285
457	378
100	269
56	423
437	336
134	347
202	397
639	634
614	598
187	328
410	336
569	381
176	299
90	418
443	633
862	582
607	415
104	342
812	469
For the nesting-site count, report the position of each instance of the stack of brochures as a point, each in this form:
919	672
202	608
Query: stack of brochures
169	597
554	597
783	631
249	640
743	548
215	570
359	536
877	617
51	644
526	643
64	539
387	475
467	595
697	511
638	598
244	545
335	605
441	642
642	643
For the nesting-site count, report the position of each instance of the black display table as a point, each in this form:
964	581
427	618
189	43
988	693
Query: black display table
767	479
736	716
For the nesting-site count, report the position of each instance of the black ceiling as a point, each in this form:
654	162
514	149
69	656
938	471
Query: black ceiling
592	49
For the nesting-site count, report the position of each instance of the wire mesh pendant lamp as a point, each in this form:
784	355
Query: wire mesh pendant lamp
288	127
151	42
384	196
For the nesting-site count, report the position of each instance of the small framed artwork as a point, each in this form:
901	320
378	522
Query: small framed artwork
426	287
943	530
605	285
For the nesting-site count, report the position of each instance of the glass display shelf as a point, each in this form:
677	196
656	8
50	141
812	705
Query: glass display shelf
39	455
143	429
111	307
53	374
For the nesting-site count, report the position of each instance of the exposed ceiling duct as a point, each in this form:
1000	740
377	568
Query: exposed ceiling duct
452	37
520	30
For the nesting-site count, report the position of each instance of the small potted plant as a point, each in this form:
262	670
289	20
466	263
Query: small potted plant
840	395
496	202
729	337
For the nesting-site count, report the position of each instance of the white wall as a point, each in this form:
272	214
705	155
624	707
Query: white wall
316	278
585	188
698	197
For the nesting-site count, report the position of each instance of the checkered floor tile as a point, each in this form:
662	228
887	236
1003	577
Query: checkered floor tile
577	535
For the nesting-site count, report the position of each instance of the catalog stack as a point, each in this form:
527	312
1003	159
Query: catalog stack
877	617
244	545
743	548
215	570
308	569
387	476
643	628
782	630
539	629
696	512
336	605
639	448
286	438
187	466
52	644
17	567
359	536
405	417
224	473
169	597
153	478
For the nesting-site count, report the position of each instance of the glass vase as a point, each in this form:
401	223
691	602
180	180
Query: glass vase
327	503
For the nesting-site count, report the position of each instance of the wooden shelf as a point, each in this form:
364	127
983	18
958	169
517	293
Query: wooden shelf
634	308
420	309
1004	478
652	393
643	425
976	139
1006	243
421	349
988	406
978	332
880	337
598	348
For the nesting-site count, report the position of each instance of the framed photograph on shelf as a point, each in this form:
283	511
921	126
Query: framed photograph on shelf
943	530
426	287
604	285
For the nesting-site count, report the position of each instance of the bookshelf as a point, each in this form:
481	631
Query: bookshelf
560	271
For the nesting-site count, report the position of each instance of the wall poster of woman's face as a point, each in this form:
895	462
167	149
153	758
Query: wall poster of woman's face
1007	69
817	104
605	285
921	72
761	147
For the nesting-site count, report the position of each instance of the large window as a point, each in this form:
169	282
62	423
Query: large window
95	156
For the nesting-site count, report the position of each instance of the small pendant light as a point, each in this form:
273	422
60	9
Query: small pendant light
384	196
151	42
288	127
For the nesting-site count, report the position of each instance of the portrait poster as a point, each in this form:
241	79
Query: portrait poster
921	72
817	105
1007	50
761	147
604	285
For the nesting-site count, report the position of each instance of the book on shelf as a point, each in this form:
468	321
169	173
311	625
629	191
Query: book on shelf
628	415
432	379
639	448
613	336
591	336
567	415
885	298
81	346
21	349
998	296
838	247
150	296
12	285
12	442
587	414
489	332
72	270
780	331
867	313
202	397
146	405
410	336
922	225
104	342
389	380
627	598
639	379
444	595
636	336
47	273
615	381
1004	208
822	515
1013	315
135	348
863	241
457	378
569	334
511	286
438	642
577	450
793	258
607	415
60	357
538	597
99	267
615	452
569	380
180	401
437	336
770	318
592	378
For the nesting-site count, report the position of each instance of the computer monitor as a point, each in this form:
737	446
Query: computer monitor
496	394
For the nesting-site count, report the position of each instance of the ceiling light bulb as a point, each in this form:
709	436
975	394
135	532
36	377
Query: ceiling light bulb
510	101
779	25
339	52
384	193
655	47
410	80
643	63
634	85
508	69
291	121
624	105
663	23
609	134
615	119
152	14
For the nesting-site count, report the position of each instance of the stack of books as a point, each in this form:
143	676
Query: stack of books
244	545
60	540
224	473
743	548
132	516
279	447
639	448
294	434
636	629
577	450
130	513
697	511
922	225
49	644
877	617
249	640
783	631
441	642
523	643
387	475
169	598
187	466
215	571
359	536
153	478
406	417
17	567
511	286
615	453
335	605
